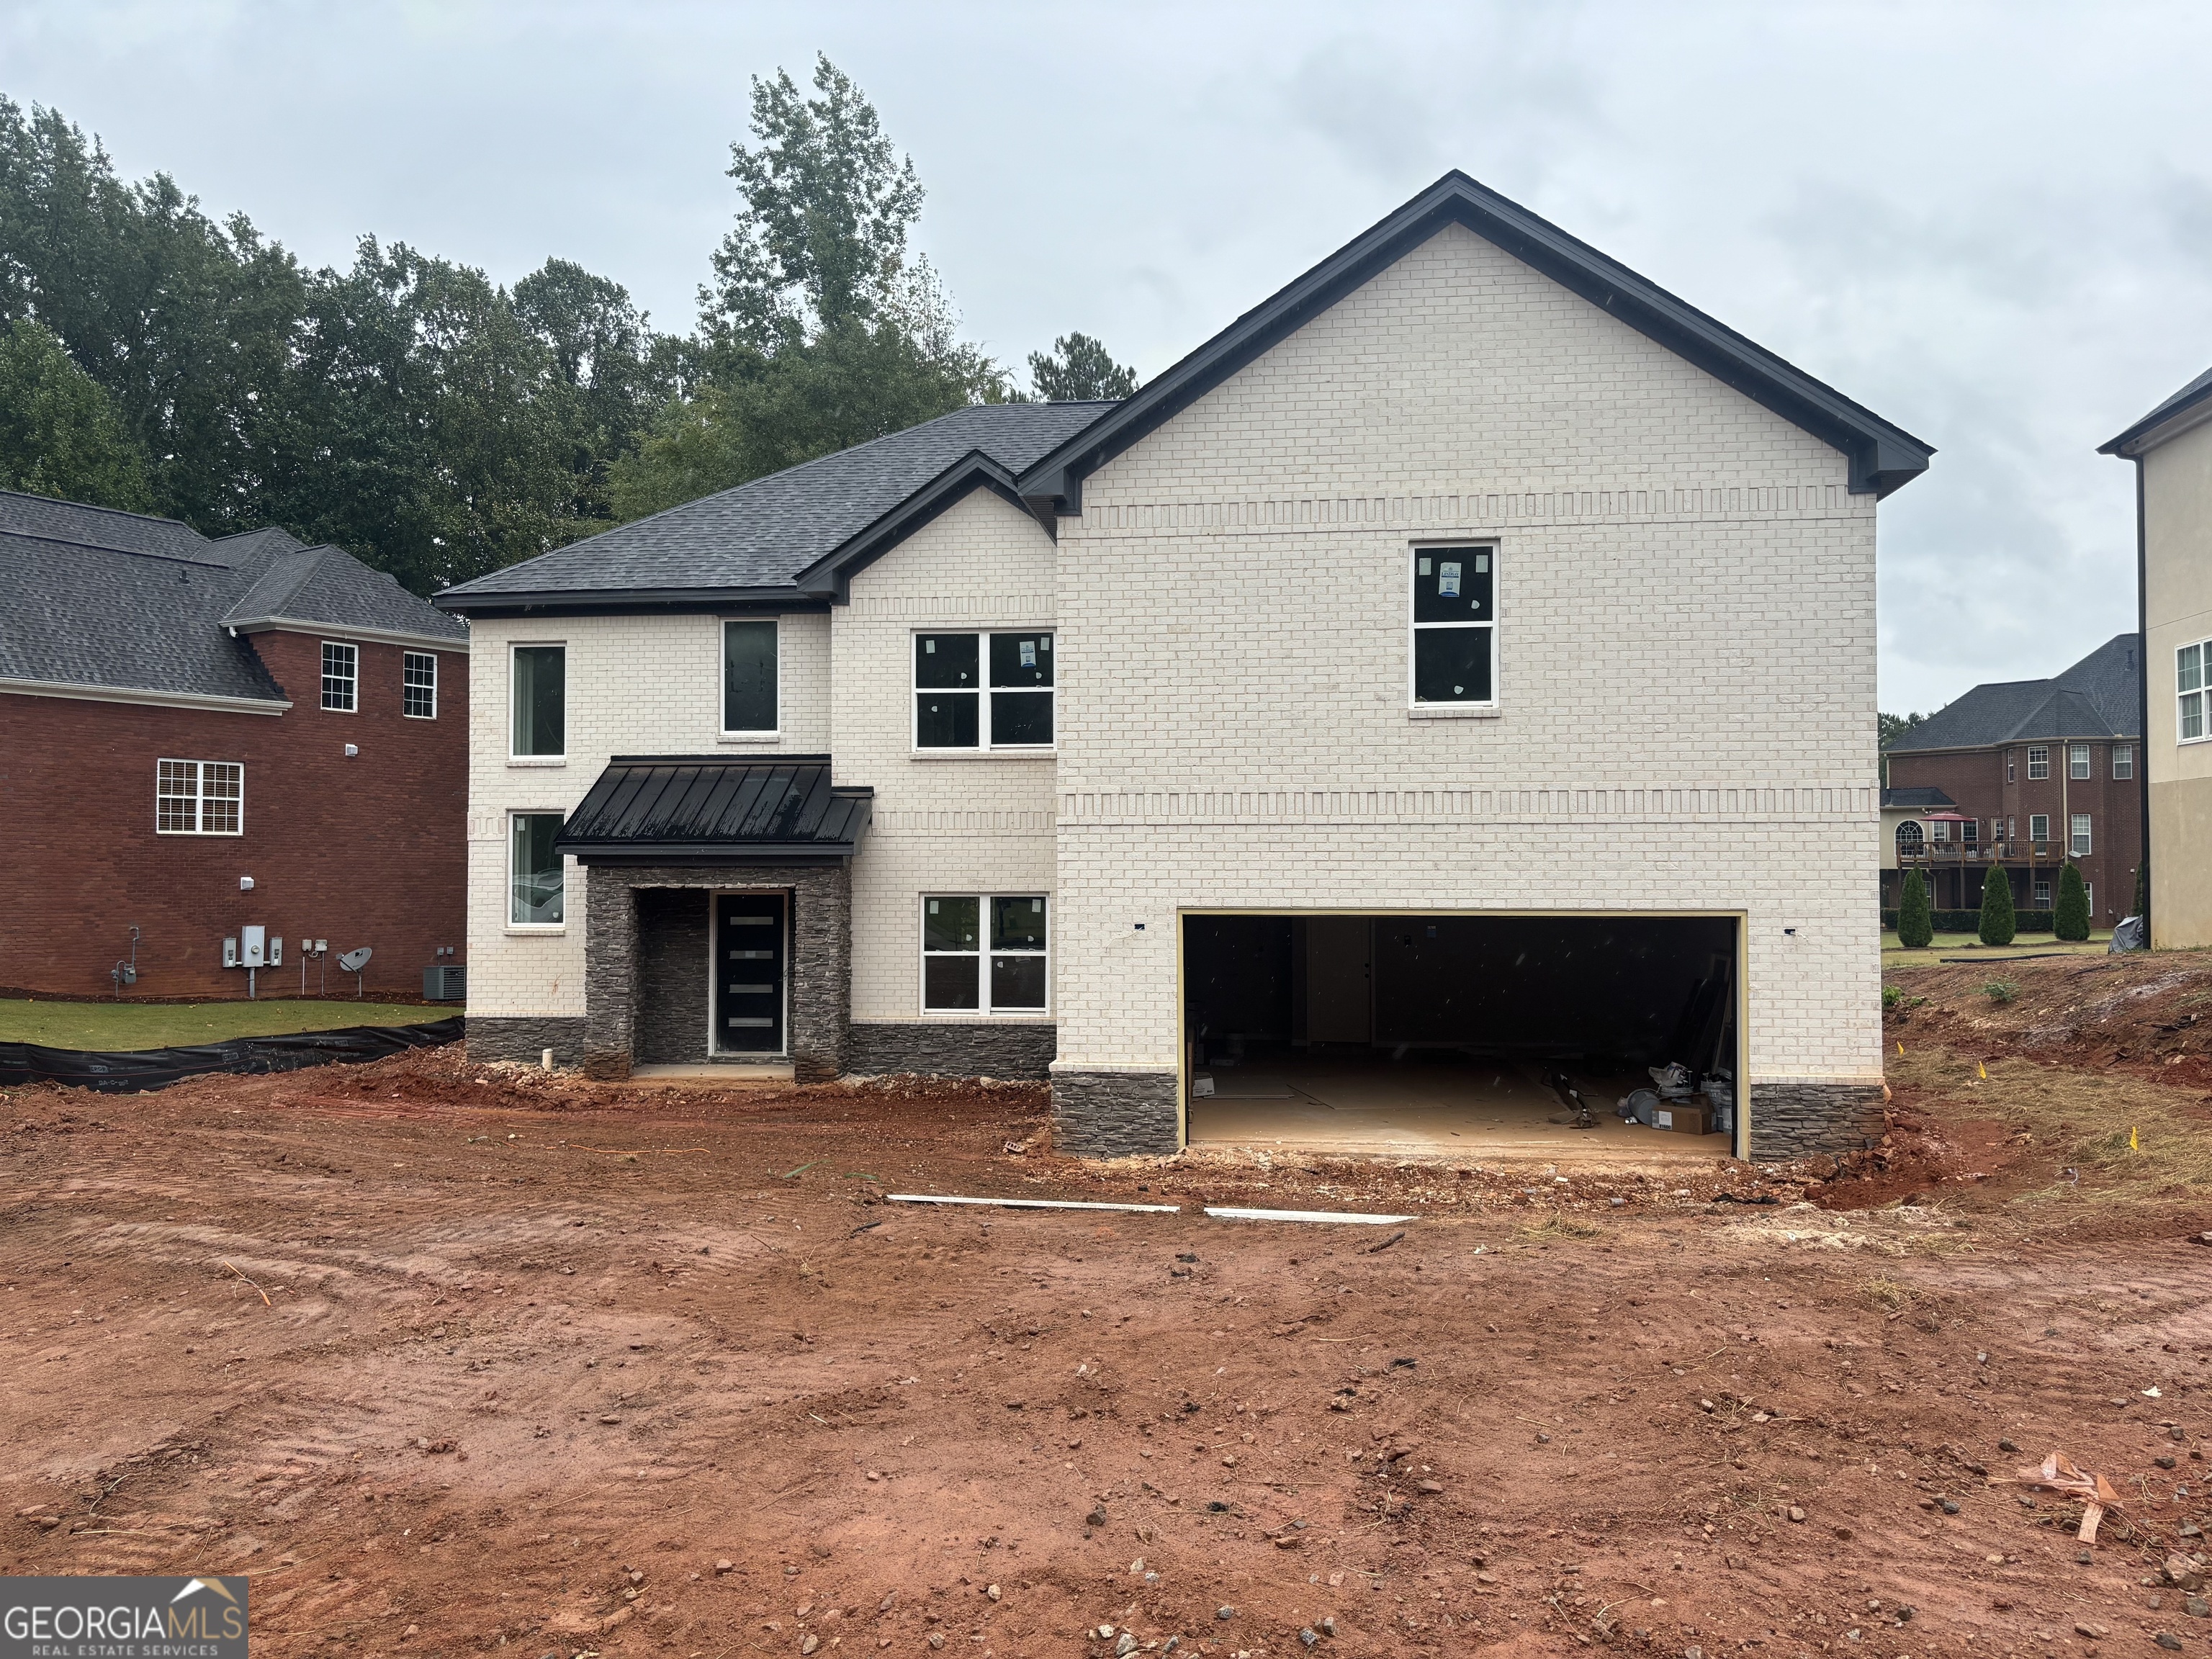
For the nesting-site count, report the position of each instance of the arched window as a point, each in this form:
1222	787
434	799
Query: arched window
1908	837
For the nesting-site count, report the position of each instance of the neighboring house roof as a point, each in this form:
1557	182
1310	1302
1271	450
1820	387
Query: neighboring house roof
2100	697
1882	456
670	808
2147	434
101	601
1913	800
757	539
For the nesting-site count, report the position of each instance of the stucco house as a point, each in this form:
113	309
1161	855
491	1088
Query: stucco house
1325	732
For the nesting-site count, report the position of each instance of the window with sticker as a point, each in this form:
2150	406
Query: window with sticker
1454	645
983	690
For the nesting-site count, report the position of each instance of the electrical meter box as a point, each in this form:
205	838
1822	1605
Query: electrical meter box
276	953
253	948
230	952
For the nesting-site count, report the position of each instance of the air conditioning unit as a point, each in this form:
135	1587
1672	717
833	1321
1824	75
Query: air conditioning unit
445	984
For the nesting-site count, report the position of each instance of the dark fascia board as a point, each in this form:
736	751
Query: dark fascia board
830	577
688	855
737	760
1882	456
2131	443
625	601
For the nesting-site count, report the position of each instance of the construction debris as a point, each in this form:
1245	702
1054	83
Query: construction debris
2093	1491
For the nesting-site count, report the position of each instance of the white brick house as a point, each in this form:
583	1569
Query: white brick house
1472	618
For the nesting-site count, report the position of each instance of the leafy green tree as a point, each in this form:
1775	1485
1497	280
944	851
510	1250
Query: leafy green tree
2070	919
1999	922
2142	891
1916	925
1078	369
59	431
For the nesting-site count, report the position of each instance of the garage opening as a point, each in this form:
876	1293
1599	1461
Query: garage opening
1397	1033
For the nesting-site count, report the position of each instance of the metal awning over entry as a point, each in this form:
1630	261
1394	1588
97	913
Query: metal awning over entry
716	809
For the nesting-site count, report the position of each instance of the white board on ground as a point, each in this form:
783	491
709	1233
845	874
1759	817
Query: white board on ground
1226	1213
1034	1203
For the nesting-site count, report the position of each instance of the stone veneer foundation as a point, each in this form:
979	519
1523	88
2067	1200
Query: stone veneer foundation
526	1039
1115	1114
949	1049
1797	1120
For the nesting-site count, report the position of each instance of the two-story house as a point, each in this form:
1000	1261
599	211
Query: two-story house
1336	712
2171	449
2025	777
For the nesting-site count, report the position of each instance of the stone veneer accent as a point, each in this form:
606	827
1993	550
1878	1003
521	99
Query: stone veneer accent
673	974
952	1049
820	969
1795	1119
1115	1114
527	1039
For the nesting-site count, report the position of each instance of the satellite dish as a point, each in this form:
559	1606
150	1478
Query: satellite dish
354	961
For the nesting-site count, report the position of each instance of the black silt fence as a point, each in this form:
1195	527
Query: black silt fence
157	1068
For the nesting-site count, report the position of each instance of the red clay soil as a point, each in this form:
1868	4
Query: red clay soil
461	1359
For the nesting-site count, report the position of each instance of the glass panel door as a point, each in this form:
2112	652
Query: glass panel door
750	947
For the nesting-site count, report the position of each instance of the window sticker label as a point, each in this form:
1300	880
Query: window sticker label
929	647
1029	653
1448	580
1424	567
1482	564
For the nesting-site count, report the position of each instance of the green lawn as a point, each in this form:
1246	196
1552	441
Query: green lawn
106	1027
1894	954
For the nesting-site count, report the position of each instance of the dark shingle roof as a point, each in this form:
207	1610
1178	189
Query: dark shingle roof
761	535
1909	798
2196	392
662	807
2100	697
122	601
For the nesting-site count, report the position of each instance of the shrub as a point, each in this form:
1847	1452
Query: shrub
2070	917
1916	928
2001	990
1967	921
1891	996
1998	923
2142	891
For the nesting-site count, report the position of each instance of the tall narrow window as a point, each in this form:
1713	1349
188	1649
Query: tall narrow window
2038	826
418	686
2124	760
984	954
1455	630
2077	760
199	798
540	698
1971	831
341	677
749	677
2189	679
2078	843
2039	764
2042	895
2012	766
953	706
535	878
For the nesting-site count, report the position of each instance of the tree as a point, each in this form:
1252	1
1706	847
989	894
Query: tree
60	433
1999	922
2070	919
1888	728
1916	926
1078	369
2142	891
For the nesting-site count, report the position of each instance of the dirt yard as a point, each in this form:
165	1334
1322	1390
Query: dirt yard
461	1359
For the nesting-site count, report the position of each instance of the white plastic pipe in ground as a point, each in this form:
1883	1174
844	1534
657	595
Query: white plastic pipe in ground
1033	1203
1226	1212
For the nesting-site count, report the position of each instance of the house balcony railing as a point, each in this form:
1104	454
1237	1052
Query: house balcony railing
1940	854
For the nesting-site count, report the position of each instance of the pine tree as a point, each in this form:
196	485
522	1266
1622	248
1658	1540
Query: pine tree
1999	923
2071	919
1916	927
2142	891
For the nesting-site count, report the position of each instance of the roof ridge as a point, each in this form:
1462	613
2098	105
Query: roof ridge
115	512
49	537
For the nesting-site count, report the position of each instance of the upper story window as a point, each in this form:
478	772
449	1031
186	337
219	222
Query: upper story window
418	686
341	677
2124	760
2077	760
749	677
2012	766
1940	832
2038	826
1909	836
953	706
199	798
540	700
2039	764
2189	688
1970	832
1454	655
2078	842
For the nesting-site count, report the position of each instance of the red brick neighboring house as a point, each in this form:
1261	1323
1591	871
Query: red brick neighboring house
2023	776
179	716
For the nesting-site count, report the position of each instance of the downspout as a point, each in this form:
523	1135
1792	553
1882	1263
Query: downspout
2142	695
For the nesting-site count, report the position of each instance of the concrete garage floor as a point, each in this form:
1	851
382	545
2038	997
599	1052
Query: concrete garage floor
1371	1103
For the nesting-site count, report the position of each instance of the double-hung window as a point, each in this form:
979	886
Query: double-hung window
983	690
1455	624
2078	842
341	677
749	677
2077	760
1971	831
2190	691
2041	896
535	880
540	697
2124	760
2038	826
2039	762
418	686
199	798
984	954
2012	766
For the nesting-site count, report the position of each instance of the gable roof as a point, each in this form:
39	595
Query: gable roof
2100	697
755	541
1882	456
102	601
2145	434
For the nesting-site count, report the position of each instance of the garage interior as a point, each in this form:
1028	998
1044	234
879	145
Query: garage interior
1464	1034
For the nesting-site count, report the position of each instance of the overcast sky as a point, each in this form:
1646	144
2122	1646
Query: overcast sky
1992	224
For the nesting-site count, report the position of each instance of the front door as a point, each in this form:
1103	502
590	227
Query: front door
749	950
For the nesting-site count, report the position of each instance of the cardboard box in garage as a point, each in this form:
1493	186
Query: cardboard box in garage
1684	1117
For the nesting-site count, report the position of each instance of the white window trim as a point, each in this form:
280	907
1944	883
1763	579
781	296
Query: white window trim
405	688
508	900
1490	707
2088	760
982	953
2127	749
2033	776
774	733
2045	837
354	651
2203	649
561	759
984	750
200	796
2081	835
